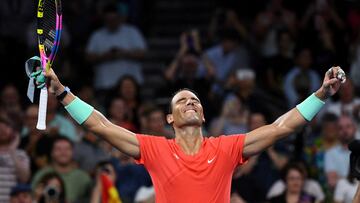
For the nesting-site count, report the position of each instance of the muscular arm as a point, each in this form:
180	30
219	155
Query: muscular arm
261	138
265	136
119	137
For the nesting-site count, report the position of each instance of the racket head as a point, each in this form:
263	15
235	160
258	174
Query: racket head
49	26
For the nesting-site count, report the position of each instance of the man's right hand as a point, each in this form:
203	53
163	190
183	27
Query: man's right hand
54	84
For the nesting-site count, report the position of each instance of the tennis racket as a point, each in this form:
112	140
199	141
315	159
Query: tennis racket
49	26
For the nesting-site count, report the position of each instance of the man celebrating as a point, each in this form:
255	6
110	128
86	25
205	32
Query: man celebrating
190	167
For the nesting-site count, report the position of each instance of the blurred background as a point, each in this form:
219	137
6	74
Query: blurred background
248	61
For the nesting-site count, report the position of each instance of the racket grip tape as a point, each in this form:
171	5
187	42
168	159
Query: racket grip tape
41	124
79	110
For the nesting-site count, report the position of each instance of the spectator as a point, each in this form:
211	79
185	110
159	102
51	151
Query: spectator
301	80
242	84
50	189
156	123
311	187
130	176
115	50
267	23
225	19
10	101
294	177
77	182
128	89
233	118
21	193
226	56
107	169
88	152
322	27
182	72
317	145
118	113
34	142
14	163
348	103
337	158
277	66
345	189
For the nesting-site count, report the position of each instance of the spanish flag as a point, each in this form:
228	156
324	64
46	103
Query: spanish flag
109	192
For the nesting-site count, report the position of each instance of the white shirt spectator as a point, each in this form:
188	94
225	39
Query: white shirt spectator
311	187
337	159
126	37
225	63
345	191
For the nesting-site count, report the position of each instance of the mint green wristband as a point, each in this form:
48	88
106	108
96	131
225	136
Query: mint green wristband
79	110
310	107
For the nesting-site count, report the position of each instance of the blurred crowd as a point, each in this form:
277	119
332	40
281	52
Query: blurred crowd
255	61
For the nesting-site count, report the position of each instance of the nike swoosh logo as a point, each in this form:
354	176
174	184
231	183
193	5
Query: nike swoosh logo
211	160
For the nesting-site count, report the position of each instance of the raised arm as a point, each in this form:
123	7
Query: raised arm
121	138
263	137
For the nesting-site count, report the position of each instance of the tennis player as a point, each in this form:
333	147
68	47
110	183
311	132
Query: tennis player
191	167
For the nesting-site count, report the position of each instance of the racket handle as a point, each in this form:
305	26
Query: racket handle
41	124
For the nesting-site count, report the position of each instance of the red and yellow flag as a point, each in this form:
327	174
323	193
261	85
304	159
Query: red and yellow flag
109	192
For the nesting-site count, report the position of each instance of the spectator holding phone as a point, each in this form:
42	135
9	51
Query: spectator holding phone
50	189
183	70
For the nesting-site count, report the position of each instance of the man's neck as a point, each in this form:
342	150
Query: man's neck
63	168
189	138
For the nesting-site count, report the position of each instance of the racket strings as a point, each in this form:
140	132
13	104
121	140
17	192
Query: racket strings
48	24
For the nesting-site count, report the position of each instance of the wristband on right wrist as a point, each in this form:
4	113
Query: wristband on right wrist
79	110
310	107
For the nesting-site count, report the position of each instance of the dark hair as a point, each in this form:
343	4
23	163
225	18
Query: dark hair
46	178
301	48
115	90
101	166
229	34
59	138
298	166
281	32
329	118
175	93
110	8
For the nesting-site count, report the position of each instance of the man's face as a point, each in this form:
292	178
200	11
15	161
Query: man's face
294	181
189	64
31	116
62	152
304	59
117	109
10	95
347	129
24	197
229	45
256	120
112	20
186	110
156	121
6	133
